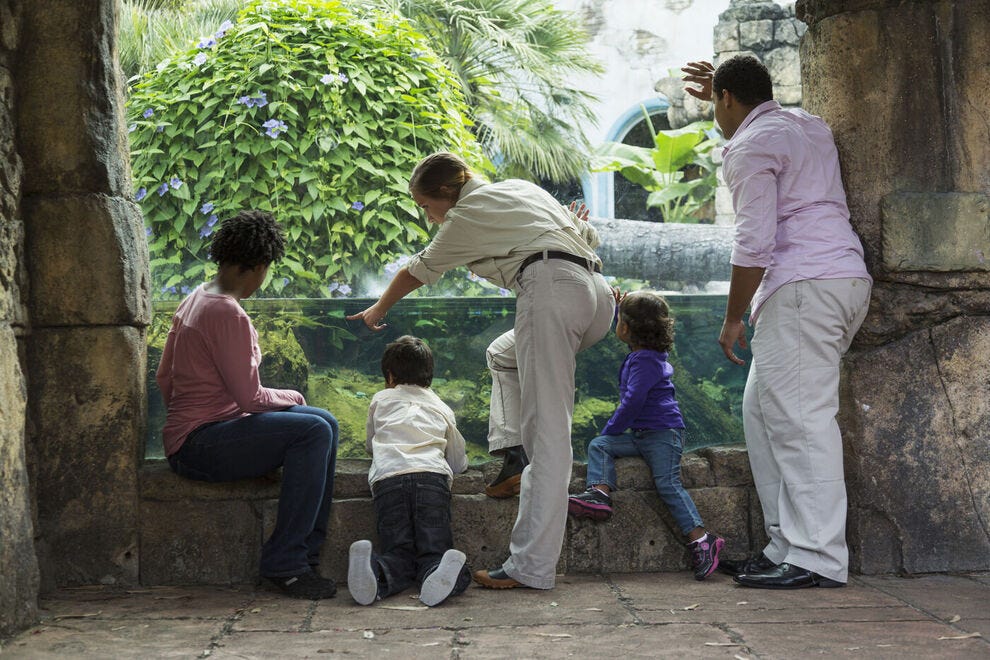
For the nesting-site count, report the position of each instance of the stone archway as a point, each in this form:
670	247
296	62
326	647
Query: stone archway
74	298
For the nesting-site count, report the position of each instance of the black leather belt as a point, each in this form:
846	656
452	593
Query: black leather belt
590	264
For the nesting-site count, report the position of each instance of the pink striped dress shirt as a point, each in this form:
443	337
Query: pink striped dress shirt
782	169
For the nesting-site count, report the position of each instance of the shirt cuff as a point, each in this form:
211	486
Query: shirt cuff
418	269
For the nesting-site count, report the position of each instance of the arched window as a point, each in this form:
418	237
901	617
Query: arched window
611	196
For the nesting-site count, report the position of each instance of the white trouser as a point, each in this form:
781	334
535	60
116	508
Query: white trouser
789	408
562	308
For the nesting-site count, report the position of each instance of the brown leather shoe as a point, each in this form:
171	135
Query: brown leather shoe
496	578
508	487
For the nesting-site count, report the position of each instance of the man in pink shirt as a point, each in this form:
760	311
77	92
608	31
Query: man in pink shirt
798	263
223	425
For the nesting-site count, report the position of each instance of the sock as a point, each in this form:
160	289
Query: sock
699	540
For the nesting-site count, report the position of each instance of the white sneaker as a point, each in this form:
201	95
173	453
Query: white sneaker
438	584
361	580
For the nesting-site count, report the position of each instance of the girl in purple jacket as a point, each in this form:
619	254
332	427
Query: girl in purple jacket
647	423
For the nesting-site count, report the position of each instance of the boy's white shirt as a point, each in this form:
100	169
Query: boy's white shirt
410	429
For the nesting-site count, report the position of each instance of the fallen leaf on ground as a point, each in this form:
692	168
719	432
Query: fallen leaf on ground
431	644
368	634
743	602
691	607
553	603
407	608
739	657
78	616
969	636
256	610
955	618
593	609
553	635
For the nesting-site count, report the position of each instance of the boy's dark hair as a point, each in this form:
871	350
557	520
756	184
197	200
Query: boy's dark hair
409	360
746	77
248	239
648	316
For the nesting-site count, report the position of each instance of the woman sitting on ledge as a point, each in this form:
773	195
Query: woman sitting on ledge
222	425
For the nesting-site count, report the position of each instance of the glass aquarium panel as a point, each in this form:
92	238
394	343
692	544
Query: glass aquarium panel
309	346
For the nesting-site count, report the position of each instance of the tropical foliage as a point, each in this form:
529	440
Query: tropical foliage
515	60
302	108
678	171
152	31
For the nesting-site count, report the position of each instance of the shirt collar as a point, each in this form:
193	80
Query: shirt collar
470	186
754	114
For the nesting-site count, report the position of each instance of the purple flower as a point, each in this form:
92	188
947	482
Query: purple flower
226	25
416	54
162	189
168	289
199	59
259	101
285	281
333	287
212	220
206	208
327	78
184	289
504	292
147	113
207	43
344	290
175	182
205	231
343	77
358	206
140	194
274	127
147	232
159	128
132	128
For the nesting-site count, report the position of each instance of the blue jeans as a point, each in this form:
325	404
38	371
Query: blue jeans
662	452
302	441
413	512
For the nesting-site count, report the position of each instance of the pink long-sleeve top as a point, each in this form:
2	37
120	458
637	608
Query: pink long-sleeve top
782	169
209	368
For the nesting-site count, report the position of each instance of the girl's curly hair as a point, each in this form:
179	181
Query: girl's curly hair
248	239
647	315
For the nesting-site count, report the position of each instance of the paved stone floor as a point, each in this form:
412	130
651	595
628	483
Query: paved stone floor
616	616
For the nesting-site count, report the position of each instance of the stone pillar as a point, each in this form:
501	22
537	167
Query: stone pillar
87	264
19	575
906	91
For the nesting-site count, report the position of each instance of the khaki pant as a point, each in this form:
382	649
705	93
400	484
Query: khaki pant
562	308
789	409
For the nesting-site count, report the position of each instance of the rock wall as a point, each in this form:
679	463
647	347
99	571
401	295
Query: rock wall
19	575
200	533
906	91
87	264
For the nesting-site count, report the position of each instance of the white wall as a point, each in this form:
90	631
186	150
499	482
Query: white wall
639	41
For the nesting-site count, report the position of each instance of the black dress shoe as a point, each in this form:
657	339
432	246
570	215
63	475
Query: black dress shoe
786	576
735	567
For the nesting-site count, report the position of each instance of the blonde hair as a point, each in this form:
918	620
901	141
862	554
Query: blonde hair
437	171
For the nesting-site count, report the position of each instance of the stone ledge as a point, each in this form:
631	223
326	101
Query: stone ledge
205	533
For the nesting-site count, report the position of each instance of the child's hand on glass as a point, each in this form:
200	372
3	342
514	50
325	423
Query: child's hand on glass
580	210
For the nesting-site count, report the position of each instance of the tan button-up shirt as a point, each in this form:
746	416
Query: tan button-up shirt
495	226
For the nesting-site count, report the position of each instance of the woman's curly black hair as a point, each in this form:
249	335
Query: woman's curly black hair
248	239
648	316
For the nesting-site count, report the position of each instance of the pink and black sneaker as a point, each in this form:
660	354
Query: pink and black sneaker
592	503
704	555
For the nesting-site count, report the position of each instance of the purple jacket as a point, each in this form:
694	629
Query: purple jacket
646	395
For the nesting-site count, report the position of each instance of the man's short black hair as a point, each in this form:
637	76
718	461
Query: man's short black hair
248	239
746	77
409	360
